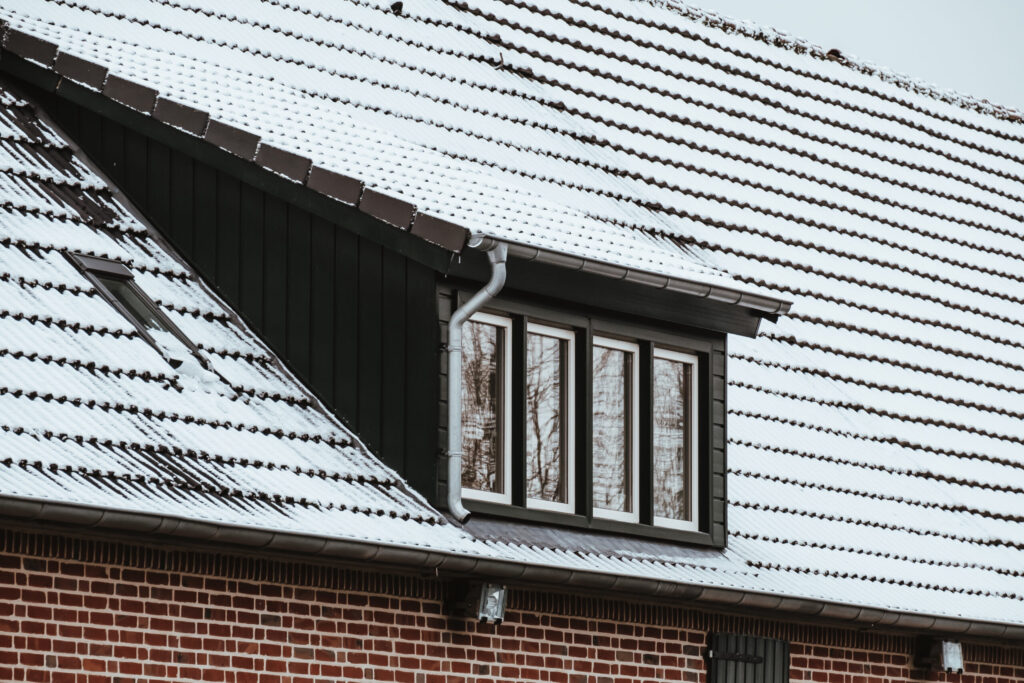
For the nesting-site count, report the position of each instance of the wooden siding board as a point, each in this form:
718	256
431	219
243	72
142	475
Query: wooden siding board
298	299
423	351
393	367
136	154
321	302
719	446
182	200
228	236
346	326
369	353
112	137
251	234
275	274
204	222
158	183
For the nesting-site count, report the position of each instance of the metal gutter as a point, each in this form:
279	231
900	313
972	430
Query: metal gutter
442	563
765	304
497	255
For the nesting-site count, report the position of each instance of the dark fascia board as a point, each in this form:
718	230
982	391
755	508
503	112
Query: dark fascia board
301	171
600	294
161	126
154	527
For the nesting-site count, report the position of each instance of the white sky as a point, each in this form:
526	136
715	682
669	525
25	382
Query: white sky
974	47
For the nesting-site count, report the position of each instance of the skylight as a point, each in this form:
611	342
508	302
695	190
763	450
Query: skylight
115	283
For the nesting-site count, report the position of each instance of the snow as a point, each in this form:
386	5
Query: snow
876	449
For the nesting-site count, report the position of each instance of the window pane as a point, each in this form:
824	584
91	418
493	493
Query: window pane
612	472
672	438
482	460
143	314
546	461
122	291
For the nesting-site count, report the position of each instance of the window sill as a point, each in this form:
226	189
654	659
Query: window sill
573	521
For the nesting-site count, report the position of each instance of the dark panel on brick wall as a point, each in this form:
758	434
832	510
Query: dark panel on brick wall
355	321
747	659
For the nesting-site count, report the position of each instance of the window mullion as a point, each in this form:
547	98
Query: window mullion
584	422
518	398
646	428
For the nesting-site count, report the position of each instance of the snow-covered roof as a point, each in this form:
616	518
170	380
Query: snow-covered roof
876	444
92	414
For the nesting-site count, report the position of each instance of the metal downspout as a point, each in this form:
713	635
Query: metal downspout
497	254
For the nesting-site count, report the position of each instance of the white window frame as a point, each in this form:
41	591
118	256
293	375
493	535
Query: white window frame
504	410
570	419
634	442
693	524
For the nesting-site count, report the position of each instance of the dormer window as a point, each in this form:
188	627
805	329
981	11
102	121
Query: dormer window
115	283
586	422
549	427
674	442
616	387
486	410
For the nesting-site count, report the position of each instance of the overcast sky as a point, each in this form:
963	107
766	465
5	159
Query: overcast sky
973	47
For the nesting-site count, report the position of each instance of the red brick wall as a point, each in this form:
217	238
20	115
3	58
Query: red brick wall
90	610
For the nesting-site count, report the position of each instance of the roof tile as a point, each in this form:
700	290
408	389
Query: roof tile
188	119
286	163
130	94
30	47
387	208
332	184
235	140
440	231
80	70
876	452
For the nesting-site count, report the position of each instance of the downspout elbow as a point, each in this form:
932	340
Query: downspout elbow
497	255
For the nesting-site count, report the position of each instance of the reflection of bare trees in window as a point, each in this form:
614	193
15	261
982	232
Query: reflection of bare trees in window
545	411
481	428
672	438
611	437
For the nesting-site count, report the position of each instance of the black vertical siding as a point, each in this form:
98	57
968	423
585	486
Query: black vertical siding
357	322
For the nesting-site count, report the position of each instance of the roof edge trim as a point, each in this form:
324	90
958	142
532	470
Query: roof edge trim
26	509
738	296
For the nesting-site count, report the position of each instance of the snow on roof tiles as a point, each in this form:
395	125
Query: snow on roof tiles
91	414
876	453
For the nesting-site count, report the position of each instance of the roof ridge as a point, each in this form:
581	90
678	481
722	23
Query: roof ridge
781	39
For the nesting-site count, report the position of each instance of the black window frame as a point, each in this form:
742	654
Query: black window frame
647	335
93	266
